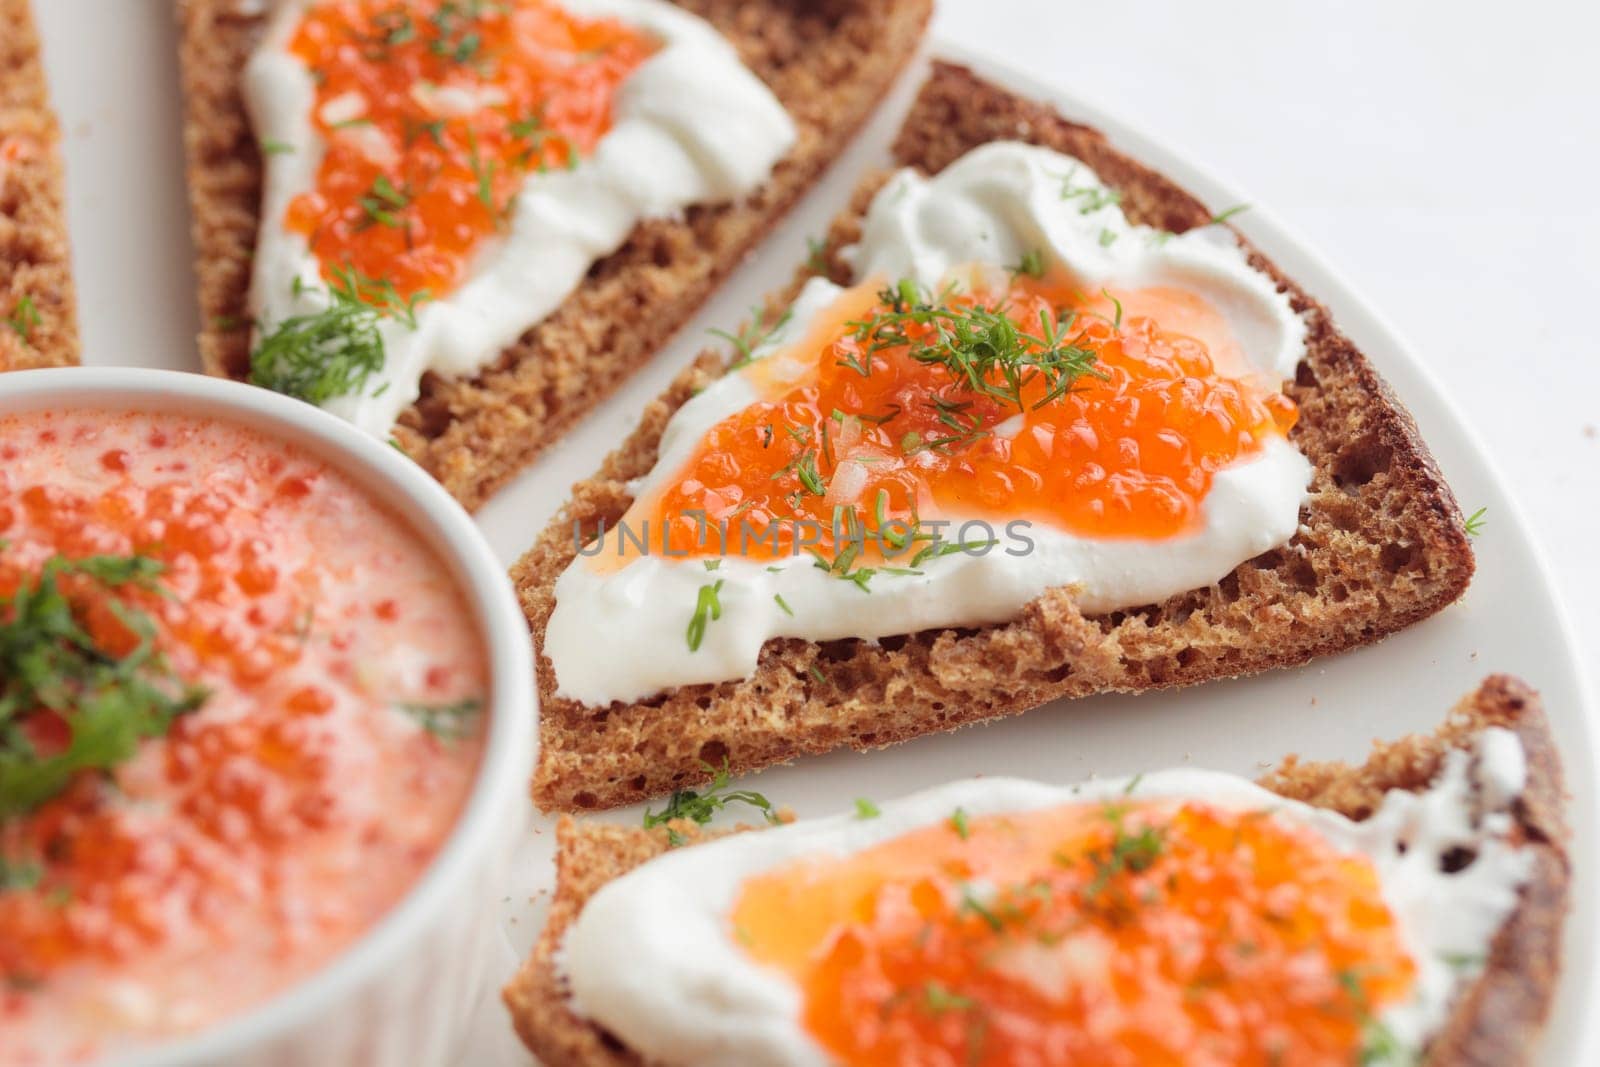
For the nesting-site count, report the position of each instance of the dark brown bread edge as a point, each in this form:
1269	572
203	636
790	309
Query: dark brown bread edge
1495	1023
1381	546
35	256
1498	1020
829	63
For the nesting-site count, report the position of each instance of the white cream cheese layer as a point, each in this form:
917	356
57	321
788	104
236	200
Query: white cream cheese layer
989	208
653	960
691	125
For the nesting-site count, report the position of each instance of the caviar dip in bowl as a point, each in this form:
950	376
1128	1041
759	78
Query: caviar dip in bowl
266	724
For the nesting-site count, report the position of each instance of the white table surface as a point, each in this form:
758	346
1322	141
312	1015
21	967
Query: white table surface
1443	158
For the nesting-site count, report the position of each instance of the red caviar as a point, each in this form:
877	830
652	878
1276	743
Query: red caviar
434	112
1128	450
271	826
1137	933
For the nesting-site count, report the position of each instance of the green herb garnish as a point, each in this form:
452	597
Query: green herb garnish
1475	522
320	355
49	663
384	204
1030	264
866	809
482	172
19	875
804	467
1129	853
24	318
982	348
1091	198
958	823
701	805
938	1000
1223	216
817	255
1379	1044
448	722
707	609
752	335
455	24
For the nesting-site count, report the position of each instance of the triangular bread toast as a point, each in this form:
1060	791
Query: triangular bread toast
1497	1019
38	311
1381	545
827	63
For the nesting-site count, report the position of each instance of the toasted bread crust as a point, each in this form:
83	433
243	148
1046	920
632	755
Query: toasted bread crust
1381	546
1495	1022
35	257
828	63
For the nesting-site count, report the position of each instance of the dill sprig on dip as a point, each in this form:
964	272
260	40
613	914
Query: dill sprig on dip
447	722
332	352
49	663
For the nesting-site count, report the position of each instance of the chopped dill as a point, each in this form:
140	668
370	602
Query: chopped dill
752	335
24	318
1223	216
49	661
707	609
448	722
332	352
700	806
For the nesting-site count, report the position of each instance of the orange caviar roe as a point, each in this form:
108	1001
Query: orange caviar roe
270	827
451	104
1148	933
1130	451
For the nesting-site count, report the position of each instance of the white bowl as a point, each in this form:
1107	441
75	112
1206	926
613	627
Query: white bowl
403	993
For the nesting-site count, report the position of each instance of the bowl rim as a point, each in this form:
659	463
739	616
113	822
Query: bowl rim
500	783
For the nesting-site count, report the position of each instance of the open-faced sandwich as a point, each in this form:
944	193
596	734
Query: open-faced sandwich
1035	423
38	317
1407	910
462	223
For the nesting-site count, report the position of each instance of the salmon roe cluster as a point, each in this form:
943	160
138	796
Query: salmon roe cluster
434	112
1139	933
221	828
1127	448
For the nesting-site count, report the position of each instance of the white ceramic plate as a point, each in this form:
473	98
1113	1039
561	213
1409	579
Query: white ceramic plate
113	73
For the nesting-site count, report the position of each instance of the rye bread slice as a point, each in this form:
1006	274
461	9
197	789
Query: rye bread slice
828	63
1497	1020
1381	546
36	294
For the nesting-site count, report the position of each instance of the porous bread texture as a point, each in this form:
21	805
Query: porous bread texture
827	62
35	257
1381	545
1497	1021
